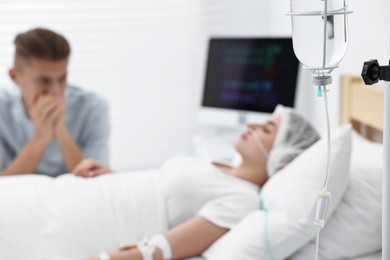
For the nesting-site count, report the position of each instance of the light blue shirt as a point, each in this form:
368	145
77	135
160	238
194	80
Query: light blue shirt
86	120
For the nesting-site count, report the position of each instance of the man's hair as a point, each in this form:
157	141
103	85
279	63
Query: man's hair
41	44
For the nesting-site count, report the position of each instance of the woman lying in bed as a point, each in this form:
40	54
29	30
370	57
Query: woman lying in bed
205	200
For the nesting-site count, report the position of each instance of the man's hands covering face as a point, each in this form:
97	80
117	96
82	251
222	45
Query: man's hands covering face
48	116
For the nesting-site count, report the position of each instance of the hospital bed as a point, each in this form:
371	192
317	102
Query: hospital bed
72	218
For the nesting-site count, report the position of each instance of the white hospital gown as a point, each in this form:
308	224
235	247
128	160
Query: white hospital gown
193	186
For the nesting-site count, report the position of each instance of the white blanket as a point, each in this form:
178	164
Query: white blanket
71	217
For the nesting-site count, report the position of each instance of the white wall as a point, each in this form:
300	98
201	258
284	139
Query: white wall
368	39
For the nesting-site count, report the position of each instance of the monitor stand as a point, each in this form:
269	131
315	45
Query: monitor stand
242	119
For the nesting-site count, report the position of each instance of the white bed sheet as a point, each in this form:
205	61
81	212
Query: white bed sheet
372	256
46	218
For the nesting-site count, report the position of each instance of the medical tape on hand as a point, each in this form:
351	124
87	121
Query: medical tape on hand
146	249
161	242
104	256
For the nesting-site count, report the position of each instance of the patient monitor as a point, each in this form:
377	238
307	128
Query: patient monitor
246	78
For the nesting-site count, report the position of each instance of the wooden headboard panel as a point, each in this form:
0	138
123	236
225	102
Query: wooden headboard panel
361	105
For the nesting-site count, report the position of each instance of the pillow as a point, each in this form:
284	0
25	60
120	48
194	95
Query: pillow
291	197
356	226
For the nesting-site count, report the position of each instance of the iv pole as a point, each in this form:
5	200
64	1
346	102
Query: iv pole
386	177
371	73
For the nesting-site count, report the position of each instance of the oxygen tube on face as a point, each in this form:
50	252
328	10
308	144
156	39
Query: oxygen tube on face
259	143
262	149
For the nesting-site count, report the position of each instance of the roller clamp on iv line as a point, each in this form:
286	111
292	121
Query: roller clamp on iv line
147	247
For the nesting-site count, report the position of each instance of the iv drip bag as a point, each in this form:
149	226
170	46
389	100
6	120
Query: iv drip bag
320	33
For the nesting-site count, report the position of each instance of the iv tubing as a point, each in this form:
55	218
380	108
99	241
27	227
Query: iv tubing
266	238
325	93
324	197
317	243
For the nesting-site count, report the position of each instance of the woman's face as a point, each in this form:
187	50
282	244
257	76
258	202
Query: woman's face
247	145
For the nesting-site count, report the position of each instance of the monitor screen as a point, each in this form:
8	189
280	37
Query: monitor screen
250	74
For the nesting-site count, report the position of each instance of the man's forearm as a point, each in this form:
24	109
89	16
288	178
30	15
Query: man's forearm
70	151
28	159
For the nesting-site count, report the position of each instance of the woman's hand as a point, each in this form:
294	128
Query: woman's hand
90	168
